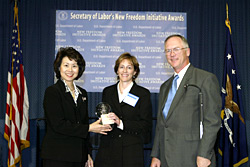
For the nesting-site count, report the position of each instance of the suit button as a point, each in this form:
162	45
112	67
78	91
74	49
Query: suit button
78	122
120	136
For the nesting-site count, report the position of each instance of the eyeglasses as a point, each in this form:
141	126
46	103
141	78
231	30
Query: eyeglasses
175	50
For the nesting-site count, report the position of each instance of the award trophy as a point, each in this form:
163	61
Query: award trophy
102	111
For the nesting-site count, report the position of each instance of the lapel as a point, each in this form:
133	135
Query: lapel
66	95
180	92
115	100
133	89
82	98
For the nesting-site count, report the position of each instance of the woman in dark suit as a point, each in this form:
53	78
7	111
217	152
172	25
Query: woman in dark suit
132	114
66	142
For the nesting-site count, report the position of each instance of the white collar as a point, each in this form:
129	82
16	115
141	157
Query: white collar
125	91
181	74
77	91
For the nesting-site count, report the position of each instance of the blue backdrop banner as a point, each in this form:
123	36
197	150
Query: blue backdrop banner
102	36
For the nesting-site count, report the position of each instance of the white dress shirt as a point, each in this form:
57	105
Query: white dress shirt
122	97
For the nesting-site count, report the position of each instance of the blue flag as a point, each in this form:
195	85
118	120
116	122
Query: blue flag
232	139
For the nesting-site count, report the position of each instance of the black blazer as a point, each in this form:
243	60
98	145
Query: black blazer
125	147
67	137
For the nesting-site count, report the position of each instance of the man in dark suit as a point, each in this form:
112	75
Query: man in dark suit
181	139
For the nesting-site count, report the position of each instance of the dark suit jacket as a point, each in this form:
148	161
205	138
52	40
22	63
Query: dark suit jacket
177	140
66	137
124	148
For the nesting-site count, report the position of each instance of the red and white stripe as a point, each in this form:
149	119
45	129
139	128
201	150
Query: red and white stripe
17	127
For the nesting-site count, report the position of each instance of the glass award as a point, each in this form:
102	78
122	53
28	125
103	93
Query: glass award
102	111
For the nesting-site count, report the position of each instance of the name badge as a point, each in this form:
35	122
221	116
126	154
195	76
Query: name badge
131	99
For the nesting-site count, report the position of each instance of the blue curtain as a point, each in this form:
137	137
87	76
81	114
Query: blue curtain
206	34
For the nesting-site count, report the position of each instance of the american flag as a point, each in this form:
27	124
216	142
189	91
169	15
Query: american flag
16	130
232	139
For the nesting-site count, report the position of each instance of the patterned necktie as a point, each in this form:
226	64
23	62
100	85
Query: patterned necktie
171	95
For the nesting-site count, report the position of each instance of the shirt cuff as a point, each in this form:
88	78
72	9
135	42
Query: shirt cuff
121	125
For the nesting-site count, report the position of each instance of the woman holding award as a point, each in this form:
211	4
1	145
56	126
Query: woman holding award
132	117
66	142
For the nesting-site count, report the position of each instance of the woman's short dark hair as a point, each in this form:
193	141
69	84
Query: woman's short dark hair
131	58
71	53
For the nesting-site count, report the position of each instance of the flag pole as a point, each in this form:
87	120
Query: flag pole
227	22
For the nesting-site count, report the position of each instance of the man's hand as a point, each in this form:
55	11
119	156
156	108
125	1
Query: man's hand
203	162
155	162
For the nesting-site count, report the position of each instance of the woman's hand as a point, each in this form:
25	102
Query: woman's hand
115	118
89	162
97	127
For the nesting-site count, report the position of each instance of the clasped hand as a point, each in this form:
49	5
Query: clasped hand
97	127
114	117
